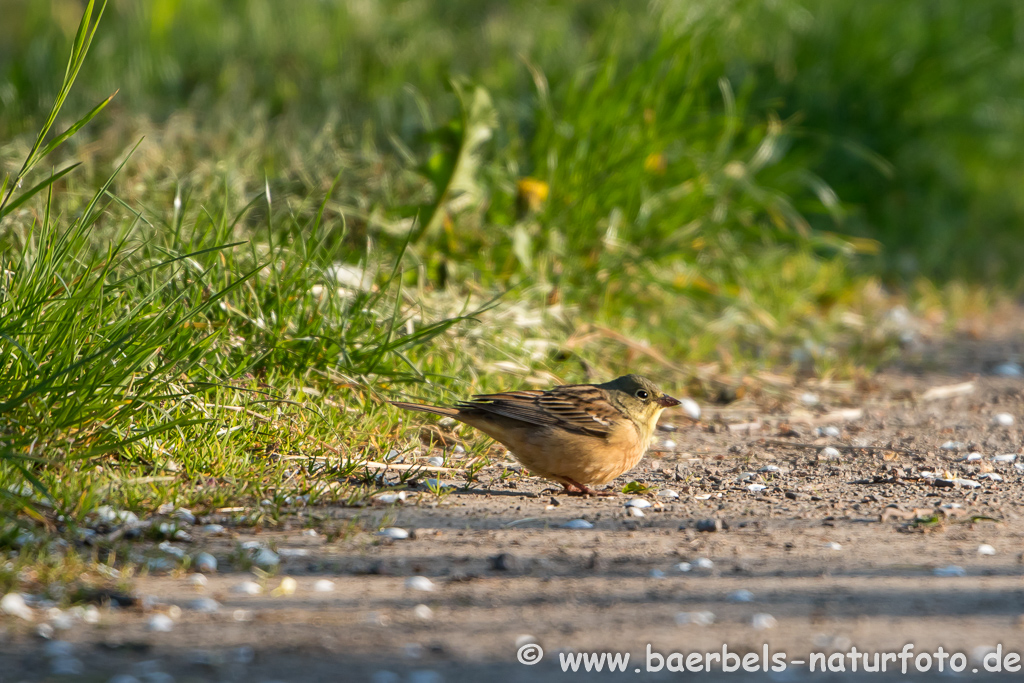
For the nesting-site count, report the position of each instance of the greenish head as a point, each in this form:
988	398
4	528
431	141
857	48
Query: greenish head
640	398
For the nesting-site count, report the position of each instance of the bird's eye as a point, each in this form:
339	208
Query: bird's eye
641	394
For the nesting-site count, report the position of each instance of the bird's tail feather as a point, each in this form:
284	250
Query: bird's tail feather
437	410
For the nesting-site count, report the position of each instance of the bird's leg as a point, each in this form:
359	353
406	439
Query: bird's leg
574	488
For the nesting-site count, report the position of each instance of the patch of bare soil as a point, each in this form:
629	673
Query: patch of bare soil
898	536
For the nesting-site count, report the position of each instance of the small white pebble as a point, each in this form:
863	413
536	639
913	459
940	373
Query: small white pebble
828	431
755	488
967	483
769	468
247	588
524	639
952	446
266	558
323	586
1002	420
832	545
971	457
1005	457
389	497
986	549
669	494
436	461
392	454
578	524
412	650
991	476
1008	369
459	450
44	631
394	533
809	399
669	444
657	574
213	529
288	586
206	563
242	615
951	570
198	580
684	567
293	552
638	503
635	512
161	623
703	563
310	532
91	615
62	621
695	618
174	612
420	583
204	605
762	622
423	613
690	407
741	595
830	453
14	604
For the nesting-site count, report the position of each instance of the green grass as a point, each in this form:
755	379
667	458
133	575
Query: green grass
212	280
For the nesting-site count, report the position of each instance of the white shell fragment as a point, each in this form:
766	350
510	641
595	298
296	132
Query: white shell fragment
160	623
1002	420
986	549
832	545
951	570
952	446
213	529
669	445
769	468
394	533
638	503
420	583
577	524
14	604
1005	457
423	613
829	431
703	563
690	407
695	618
971	457
635	512
669	494
684	567
967	483
206	563
991	476
809	399
830	453
436	461
198	580
755	488
741	595
323	586
248	588
763	622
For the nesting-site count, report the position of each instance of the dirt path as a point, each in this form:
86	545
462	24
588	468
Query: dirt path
826	555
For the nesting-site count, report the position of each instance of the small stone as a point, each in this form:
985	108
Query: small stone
14	604
390	497
971	457
1002	420
323	586
952	446
420	583
394	533
198	580
832	545
741	595
829	431
288	586
247	588
830	453
423	613
1005	457
293	552
709	525
635	512
506	562
204	605
668	494
266	558
638	503
756	488
695	618
809	399
185	515
66	666
690	407
991	476
796	495
769	468
242	615
951	570
206	563
213	529
657	574
986	549
578	524
763	622
44	631
160	623
1008	369
703	563
669	445
310	532
967	483
684	567
436	461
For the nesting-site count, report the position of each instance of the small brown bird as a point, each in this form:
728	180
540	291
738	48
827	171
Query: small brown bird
576	434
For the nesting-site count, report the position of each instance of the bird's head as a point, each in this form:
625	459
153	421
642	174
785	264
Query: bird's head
640	399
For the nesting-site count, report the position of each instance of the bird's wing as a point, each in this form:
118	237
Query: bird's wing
581	408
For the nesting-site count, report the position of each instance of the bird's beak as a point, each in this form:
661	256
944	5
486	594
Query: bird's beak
666	401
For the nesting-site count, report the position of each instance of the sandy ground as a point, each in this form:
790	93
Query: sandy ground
827	556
